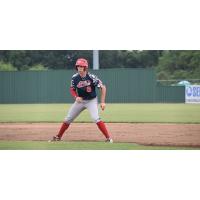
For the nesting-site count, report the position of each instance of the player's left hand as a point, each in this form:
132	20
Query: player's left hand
103	106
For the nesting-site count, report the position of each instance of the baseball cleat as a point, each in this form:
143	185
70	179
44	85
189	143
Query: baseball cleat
109	140
55	139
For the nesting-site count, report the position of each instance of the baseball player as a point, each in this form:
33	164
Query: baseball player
82	88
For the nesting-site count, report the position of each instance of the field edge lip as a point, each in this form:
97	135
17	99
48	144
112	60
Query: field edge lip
75	142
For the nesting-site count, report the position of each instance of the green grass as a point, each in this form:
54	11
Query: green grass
160	113
37	145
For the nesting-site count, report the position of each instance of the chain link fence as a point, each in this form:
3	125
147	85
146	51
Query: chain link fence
174	82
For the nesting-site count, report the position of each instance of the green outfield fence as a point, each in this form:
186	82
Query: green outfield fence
123	86
170	94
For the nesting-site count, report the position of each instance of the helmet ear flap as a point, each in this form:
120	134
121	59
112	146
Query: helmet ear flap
86	68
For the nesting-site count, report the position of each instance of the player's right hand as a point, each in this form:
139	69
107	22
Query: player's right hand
103	106
79	99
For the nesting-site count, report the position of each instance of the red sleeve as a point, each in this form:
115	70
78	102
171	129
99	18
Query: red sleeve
73	92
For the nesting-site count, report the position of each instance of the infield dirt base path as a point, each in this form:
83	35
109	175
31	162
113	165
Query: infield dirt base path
146	134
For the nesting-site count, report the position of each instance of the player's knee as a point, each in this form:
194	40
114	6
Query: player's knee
68	120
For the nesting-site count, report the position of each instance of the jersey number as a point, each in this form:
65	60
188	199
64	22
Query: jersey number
89	89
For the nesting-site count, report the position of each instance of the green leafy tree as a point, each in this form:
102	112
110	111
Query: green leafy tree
7	67
180	64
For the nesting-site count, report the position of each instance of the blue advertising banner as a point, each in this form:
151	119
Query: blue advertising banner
192	94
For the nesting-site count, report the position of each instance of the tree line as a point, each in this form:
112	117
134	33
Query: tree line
169	64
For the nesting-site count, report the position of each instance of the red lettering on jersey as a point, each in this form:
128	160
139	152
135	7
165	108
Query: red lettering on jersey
83	84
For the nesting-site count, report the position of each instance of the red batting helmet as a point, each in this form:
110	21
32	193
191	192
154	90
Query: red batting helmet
82	62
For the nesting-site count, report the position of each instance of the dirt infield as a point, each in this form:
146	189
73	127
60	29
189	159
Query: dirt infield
147	134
